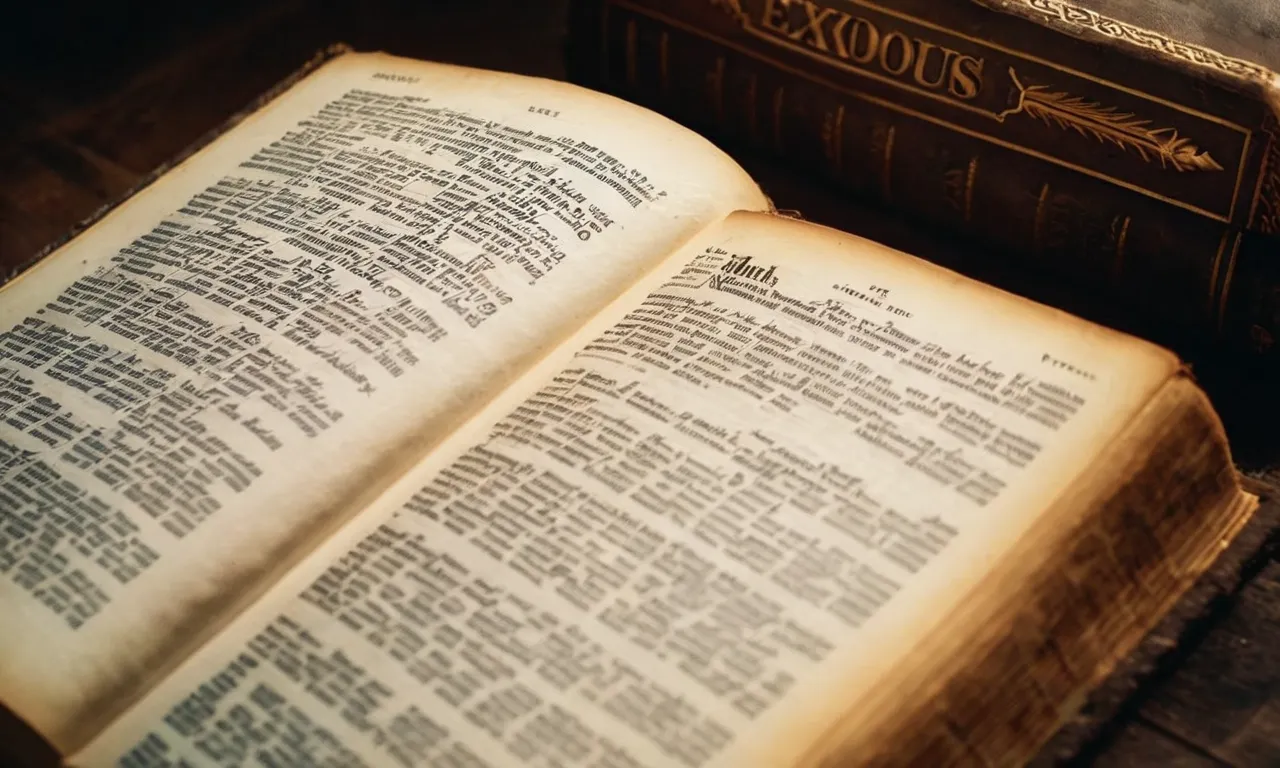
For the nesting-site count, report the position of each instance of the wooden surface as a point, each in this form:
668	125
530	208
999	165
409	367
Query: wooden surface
94	96
1223	697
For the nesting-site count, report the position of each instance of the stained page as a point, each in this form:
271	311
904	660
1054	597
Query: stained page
692	537
201	386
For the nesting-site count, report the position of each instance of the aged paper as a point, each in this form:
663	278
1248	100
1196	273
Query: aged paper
203	384
691	537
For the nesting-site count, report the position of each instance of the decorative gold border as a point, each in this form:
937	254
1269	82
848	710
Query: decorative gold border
1083	18
734	8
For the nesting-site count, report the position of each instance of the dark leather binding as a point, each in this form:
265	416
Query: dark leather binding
1136	174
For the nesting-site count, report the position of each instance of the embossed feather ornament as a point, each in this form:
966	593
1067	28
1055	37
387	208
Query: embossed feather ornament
1108	124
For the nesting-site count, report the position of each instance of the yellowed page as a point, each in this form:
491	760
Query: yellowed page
199	387
692	536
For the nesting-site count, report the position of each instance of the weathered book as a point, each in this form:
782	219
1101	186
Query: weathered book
434	416
1129	147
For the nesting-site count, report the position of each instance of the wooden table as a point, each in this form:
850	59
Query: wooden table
93	96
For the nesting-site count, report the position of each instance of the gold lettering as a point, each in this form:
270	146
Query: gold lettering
813	28
859	41
966	77
922	64
837	35
873	41
886	49
774	16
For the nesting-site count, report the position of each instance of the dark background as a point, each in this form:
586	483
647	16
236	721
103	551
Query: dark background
93	96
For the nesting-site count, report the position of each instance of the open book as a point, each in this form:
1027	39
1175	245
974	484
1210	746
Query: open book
440	417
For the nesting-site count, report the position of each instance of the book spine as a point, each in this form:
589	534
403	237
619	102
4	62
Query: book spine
1064	158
